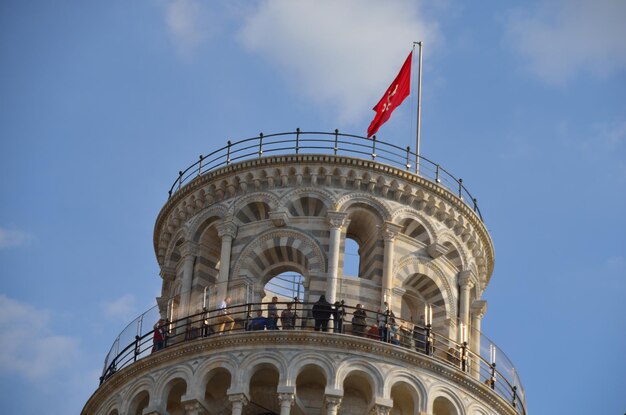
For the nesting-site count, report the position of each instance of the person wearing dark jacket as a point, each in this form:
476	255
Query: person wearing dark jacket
321	313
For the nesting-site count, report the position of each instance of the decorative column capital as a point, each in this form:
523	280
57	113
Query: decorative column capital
332	402
337	219
390	230
381	410
286	399
479	308
239	398
188	249
227	228
194	407
467	279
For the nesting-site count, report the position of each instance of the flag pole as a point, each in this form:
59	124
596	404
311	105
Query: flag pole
419	107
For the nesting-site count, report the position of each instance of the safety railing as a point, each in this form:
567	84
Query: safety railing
335	143
489	365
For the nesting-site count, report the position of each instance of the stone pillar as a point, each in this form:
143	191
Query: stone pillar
389	232
332	404
466	282
286	401
189	251
336	221
478	309
227	230
239	400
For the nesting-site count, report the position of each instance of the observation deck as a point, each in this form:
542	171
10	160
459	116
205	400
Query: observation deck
244	216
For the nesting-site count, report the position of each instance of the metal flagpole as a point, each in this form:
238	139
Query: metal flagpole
419	107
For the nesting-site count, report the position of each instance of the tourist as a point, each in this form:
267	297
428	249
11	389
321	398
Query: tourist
223	316
272	314
259	322
358	321
321	313
338	312
288	318
160	335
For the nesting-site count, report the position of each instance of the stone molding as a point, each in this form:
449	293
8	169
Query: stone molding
276	341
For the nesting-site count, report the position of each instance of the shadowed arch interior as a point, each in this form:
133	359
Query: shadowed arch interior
364	228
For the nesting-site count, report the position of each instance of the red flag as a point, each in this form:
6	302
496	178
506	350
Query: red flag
399	89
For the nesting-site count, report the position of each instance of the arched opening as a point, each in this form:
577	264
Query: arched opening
307	206
287	286
357	394
252	212
139	403
364	230
310	386
218	382
443	406
351	258
114	412
405	399
177	389
420	291
263	390
414	229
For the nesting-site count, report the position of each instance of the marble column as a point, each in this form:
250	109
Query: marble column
336	220
189	251
286	401
478	310
466	282
389	232
227	230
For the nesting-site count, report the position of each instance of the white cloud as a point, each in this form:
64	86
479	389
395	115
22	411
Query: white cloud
560	39
123	307
13	237
190	24
342	54
29	347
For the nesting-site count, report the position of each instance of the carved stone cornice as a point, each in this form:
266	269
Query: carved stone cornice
279	218
239	398
436	249
168	273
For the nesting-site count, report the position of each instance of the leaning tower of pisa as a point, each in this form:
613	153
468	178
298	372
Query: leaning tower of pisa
274	216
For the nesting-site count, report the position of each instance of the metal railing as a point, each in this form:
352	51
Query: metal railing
335	143
492	369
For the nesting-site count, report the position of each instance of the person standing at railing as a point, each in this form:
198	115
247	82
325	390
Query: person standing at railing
321	313
338	312
259	322
223	316
272	314
160	336
288	318
394	331
419	335
358	321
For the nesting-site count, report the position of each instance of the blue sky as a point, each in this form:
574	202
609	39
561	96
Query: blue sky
102	103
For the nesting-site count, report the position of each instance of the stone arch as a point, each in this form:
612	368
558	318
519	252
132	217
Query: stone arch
449	400
308	359
448	238
308	204
112	406
411	265
171	254
402	375
475	409
281	243
242	207
411	213
138	396
250	365
165	380
354	365
214	377
204	219
329	199
379	205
